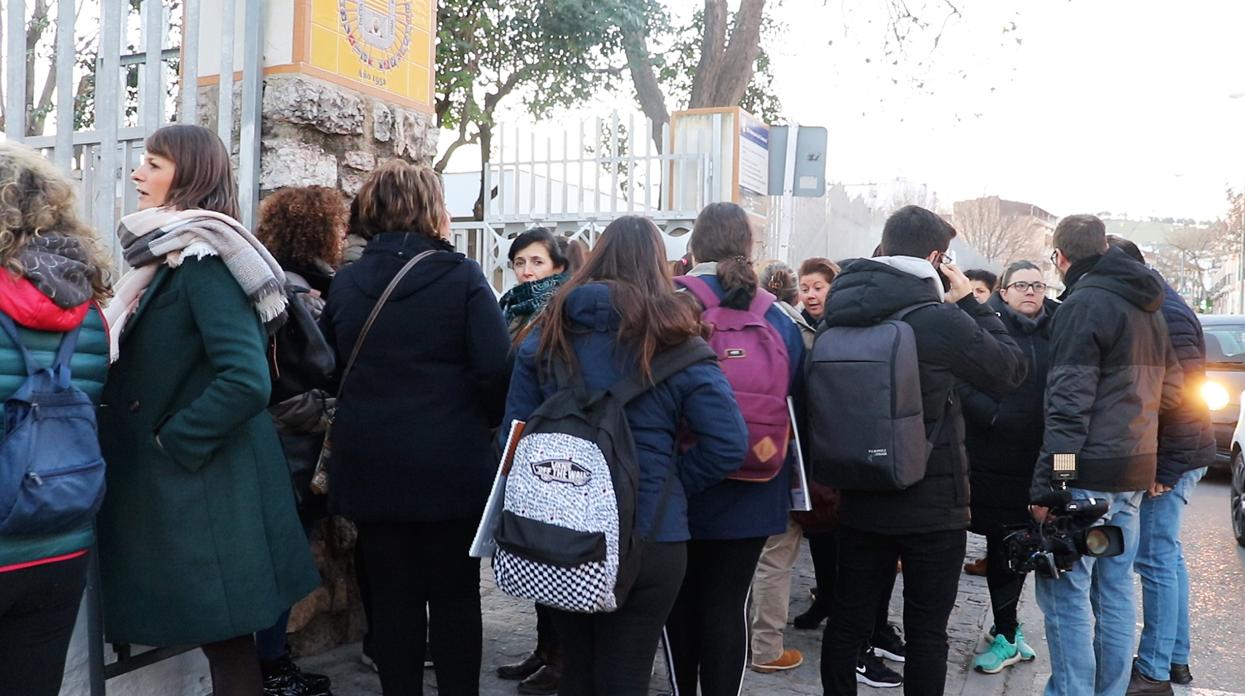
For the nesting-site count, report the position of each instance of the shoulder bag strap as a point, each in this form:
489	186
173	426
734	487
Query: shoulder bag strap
371	318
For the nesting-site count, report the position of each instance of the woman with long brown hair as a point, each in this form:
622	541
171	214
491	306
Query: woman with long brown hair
762	353
412	459
199	540
609	321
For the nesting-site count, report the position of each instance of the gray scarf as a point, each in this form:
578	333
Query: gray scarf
59	267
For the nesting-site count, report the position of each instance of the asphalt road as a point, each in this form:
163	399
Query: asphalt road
1216	588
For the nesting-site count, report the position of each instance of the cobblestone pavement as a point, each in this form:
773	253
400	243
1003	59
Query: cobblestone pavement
510	631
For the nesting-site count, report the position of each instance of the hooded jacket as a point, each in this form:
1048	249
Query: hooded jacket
411	437
961	342
40	325
698	398
1112	369
1186	436
1003	431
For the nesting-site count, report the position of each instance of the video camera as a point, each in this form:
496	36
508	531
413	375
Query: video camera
1051	547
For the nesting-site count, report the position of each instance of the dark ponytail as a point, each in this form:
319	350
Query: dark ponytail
723	233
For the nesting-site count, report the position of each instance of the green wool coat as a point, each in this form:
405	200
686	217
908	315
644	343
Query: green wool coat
199	540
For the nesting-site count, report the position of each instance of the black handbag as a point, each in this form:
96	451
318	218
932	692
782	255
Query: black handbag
299	359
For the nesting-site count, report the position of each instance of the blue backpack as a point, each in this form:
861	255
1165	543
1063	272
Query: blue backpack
51	468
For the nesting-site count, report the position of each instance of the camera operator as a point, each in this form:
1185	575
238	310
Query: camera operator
923	524
1186	447
1112	368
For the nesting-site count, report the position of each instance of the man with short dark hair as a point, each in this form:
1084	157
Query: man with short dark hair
1186	447
983	283
923	525
1111	372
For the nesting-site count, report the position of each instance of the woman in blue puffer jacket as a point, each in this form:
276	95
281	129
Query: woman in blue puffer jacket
607	323
54	275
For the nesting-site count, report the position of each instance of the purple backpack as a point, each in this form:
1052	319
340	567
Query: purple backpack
754	358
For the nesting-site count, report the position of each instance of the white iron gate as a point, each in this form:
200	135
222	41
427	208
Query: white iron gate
145	74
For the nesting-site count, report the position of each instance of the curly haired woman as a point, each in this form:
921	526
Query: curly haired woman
304	228
54	275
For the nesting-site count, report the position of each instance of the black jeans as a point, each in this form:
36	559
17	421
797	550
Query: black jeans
423	583
824	548
1005	586
612	654
931	570
707	632
38	607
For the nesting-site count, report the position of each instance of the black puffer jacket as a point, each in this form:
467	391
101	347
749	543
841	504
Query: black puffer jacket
958	342
1186	437
1112	369
1003	431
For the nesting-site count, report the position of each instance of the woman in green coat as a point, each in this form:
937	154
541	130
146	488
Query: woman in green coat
199	540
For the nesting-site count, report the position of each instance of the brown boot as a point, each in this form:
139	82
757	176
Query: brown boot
977	567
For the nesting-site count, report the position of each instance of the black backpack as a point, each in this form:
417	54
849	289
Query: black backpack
567	533
866	417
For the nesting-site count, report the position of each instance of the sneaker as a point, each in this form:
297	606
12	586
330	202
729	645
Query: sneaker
977	567
887	644
1022	646
871	671
789	659
1001	653
1181	674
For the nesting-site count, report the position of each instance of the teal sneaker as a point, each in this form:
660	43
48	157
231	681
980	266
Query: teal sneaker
1001	653
1022	647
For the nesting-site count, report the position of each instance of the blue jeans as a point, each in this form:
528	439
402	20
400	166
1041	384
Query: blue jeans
1164	580
1090	612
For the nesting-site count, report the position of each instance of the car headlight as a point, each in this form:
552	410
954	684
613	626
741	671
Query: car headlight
1215	395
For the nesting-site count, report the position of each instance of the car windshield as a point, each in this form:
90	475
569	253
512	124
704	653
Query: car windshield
1225	346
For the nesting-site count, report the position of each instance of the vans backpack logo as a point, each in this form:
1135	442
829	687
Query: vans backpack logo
561	471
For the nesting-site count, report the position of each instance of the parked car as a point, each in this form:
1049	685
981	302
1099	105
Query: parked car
1225	377
1225	380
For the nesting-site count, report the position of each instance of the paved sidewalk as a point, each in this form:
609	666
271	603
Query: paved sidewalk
510	632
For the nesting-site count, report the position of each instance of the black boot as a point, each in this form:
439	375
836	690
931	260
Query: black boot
546	679
284	678
522	670
811	619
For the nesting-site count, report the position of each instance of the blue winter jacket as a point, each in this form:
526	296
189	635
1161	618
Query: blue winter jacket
1186	437
745	509
697	398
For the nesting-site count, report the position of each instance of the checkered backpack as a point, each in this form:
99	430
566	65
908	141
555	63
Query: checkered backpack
567	533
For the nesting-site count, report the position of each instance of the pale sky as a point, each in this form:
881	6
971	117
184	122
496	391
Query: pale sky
1102	105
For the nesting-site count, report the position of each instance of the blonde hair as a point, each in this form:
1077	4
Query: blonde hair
36	199
401	197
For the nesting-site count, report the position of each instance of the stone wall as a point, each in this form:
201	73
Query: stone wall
315	132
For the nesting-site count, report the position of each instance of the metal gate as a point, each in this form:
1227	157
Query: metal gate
145	74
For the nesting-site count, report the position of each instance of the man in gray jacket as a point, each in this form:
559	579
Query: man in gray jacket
1112	371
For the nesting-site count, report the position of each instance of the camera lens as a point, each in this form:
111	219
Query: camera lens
1097	542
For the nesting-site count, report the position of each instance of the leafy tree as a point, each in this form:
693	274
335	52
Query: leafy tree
545	53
